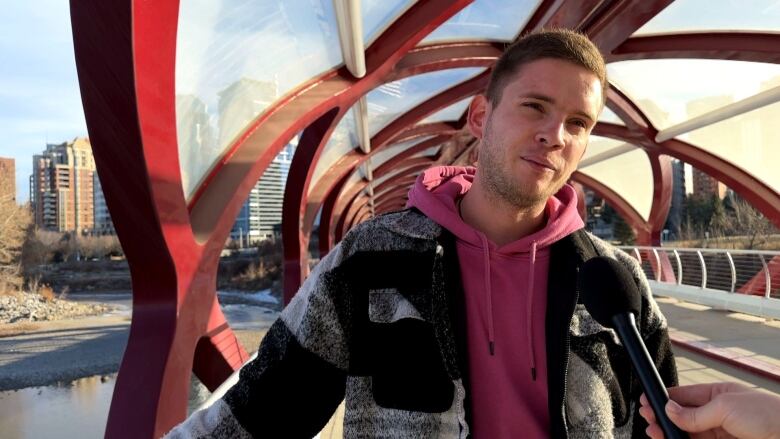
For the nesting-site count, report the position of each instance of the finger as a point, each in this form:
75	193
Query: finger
696	419
648	414
694	395
643	400
654	432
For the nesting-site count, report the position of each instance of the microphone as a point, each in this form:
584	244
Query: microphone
611	296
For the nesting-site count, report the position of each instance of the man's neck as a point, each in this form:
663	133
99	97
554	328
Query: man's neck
501	222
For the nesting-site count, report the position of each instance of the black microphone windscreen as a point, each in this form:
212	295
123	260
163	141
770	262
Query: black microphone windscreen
607	288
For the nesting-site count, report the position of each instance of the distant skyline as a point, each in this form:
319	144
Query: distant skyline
40	100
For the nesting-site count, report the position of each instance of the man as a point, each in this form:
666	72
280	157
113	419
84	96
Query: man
459	316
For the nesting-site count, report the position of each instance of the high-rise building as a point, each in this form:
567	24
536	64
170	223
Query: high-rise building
674	219
262	211
103	223
705	186
7	179
62	187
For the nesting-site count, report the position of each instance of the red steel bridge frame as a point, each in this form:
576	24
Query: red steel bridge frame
125	56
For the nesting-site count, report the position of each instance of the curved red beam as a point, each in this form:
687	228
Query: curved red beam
219	198
617	21
310	201
758	193
125	56
623	207
396	203
382	139
661	166
411	166
396	162
734	46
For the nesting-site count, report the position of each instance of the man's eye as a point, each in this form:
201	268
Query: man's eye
580	123
534	105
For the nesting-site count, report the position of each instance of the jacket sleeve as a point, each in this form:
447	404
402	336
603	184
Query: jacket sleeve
298	378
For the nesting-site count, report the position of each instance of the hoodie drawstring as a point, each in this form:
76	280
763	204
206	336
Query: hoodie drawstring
489	293
529	309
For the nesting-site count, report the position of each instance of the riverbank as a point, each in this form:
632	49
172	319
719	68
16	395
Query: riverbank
23	307
50	352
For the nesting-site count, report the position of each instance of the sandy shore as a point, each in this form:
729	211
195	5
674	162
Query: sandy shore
64	350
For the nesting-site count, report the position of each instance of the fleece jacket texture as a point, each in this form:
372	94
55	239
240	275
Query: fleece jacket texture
379	324
505	302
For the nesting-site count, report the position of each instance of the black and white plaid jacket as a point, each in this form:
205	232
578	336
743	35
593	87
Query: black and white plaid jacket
379	322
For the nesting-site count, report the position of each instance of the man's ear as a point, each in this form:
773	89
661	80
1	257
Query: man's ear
478	109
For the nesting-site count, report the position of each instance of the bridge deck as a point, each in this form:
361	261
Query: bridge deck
748	342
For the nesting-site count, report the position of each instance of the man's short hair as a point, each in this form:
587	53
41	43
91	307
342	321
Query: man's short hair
563	44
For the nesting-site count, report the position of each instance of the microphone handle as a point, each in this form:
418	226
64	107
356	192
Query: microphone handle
625	326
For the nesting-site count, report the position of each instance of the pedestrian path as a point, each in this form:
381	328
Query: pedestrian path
713	345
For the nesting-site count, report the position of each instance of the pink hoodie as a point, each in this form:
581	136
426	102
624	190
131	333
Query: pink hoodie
506	299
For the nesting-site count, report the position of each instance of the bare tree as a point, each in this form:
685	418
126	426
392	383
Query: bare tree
749	222
14	225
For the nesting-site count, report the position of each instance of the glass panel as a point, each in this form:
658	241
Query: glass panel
355	178
387	153
342	140
390	100
608	116
630	176
236	57
497	20
598	145
378	15
749	140
671	91
430	152
701	15
451	113
378	181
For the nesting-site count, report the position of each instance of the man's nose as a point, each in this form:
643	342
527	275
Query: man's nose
551	133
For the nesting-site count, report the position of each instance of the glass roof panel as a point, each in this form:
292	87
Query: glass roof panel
389	152
390	100
630	176
382	179
234	58
495	20
672	91
342	140
378	15
430	152
451	113
598	145
749	140
704	15
608	116
354	179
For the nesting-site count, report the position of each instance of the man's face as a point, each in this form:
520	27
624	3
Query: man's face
532	141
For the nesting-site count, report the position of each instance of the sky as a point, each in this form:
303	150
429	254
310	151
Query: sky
39	92
40	101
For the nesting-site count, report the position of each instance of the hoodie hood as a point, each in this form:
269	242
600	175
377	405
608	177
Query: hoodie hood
437	191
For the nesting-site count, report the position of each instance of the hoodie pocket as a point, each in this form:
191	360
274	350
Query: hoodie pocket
600	376
407	371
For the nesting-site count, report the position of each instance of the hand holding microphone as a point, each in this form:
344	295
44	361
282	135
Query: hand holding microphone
719	410
610	295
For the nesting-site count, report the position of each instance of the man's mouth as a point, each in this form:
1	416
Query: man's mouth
541	162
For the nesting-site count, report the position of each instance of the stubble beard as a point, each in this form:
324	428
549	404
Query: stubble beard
498	182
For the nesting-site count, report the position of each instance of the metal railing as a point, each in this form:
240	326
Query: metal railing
749	272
